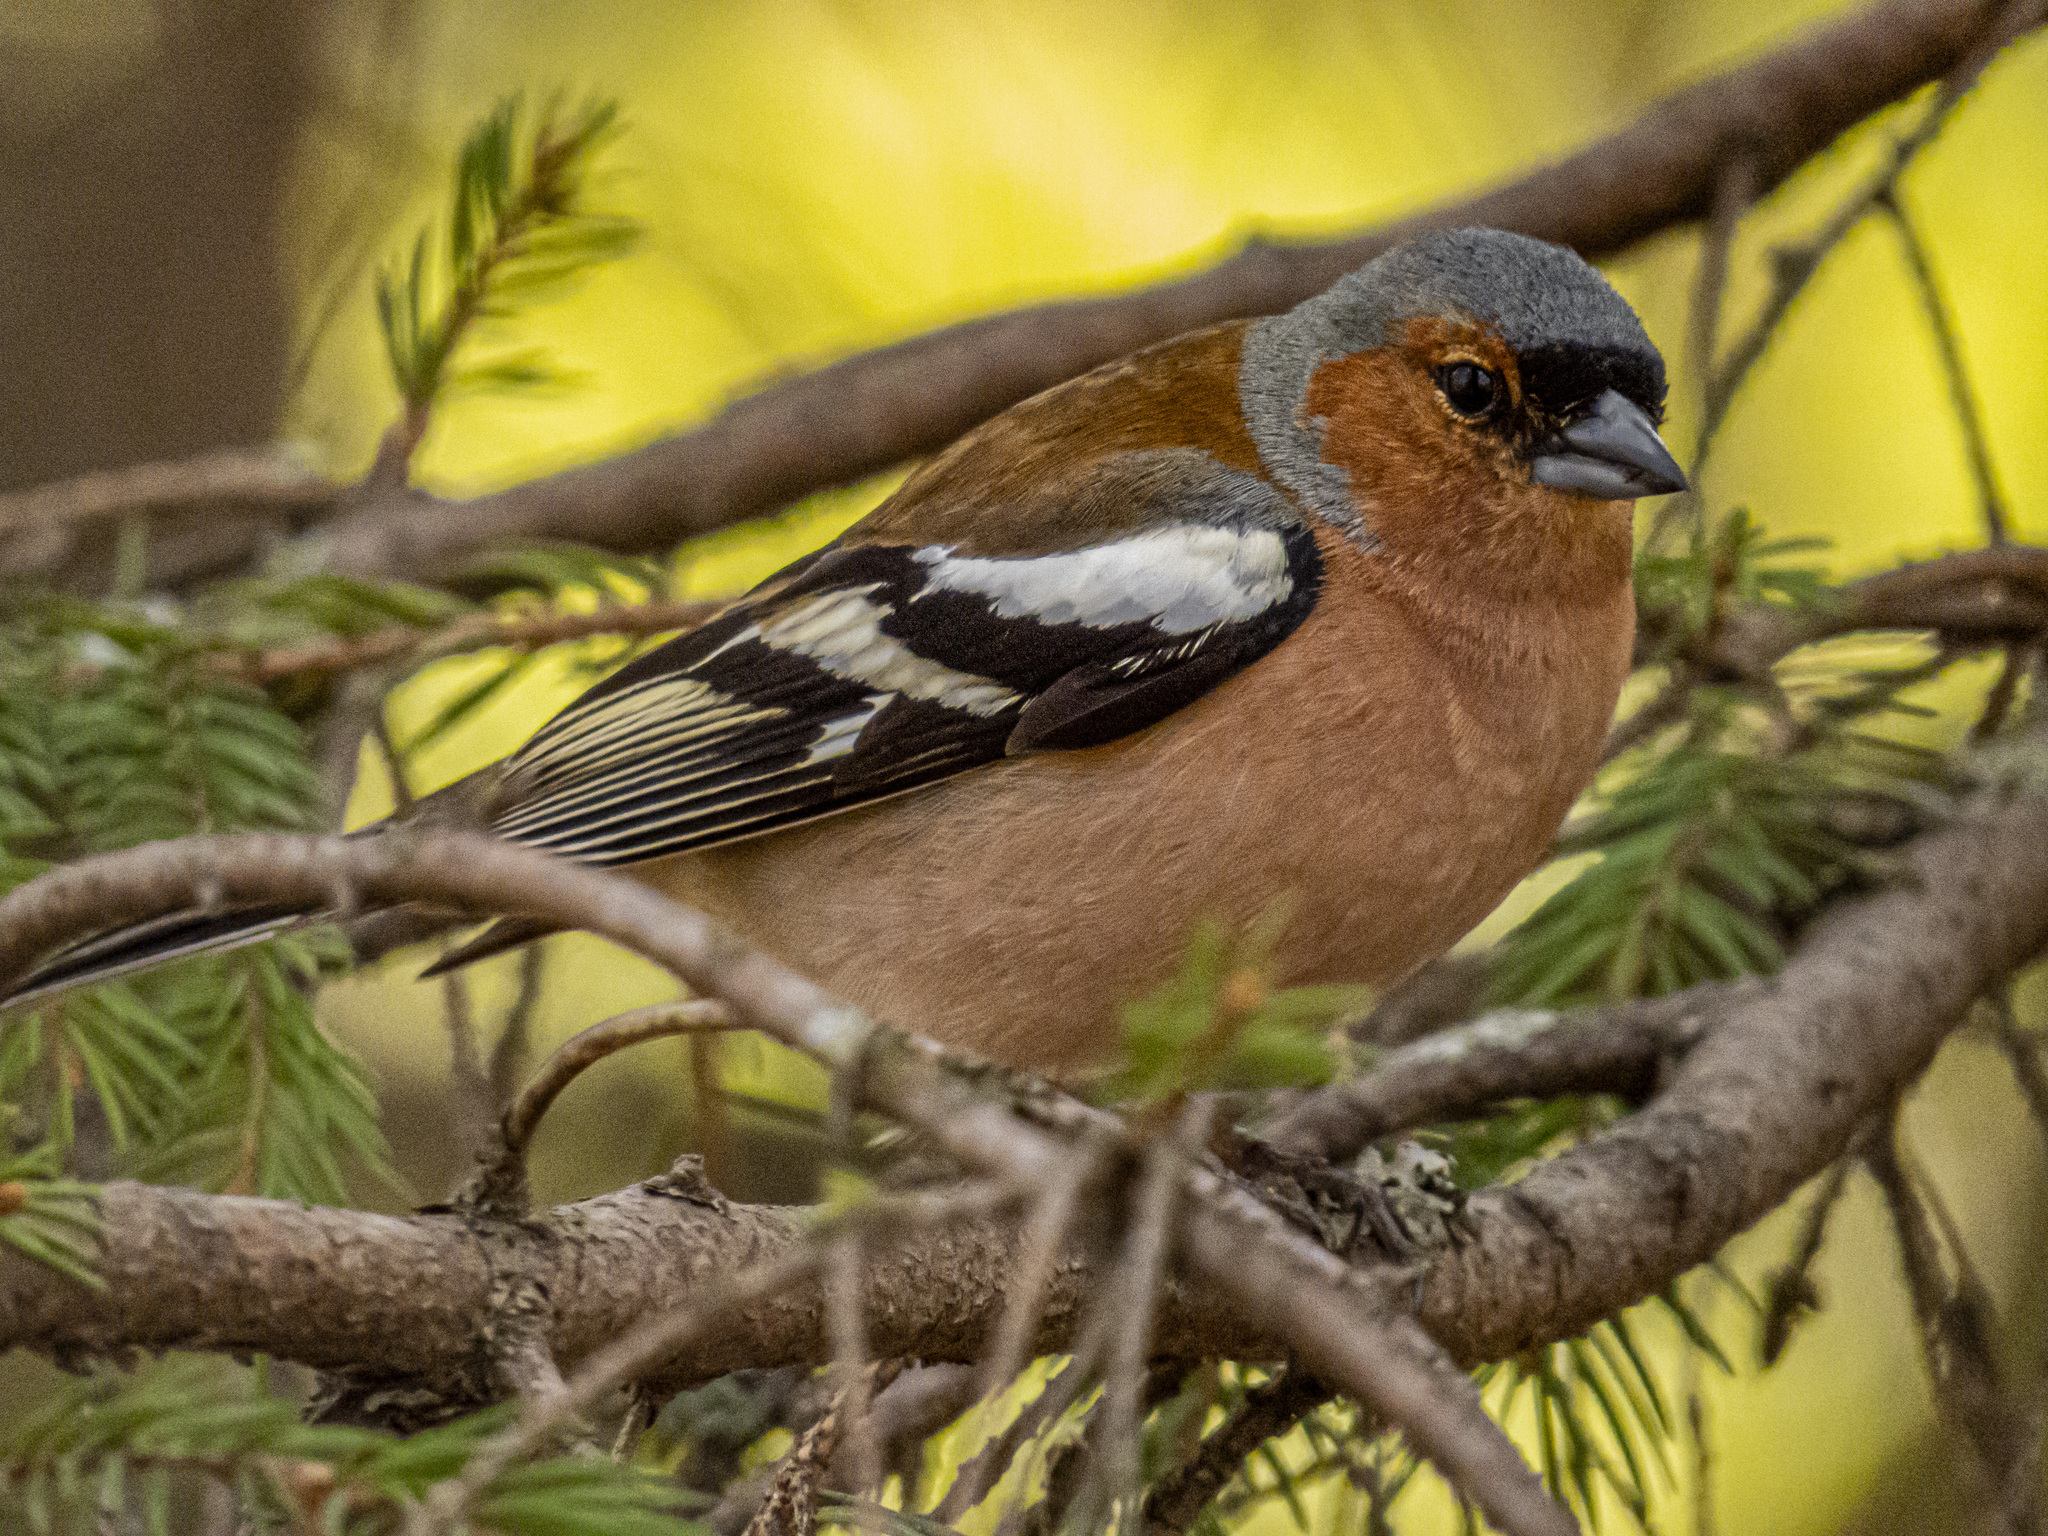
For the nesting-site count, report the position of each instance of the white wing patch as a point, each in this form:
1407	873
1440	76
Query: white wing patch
842	632
1182	579
840	735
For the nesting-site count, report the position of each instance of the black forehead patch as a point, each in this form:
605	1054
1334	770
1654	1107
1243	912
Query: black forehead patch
1564	376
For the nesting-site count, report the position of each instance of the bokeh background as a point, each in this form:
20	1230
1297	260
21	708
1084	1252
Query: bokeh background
195	200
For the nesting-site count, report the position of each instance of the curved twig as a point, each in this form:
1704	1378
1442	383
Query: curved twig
1464	1072
586	1049
499	1185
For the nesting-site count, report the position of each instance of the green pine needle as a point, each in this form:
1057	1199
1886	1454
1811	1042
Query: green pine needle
116	1441
518	234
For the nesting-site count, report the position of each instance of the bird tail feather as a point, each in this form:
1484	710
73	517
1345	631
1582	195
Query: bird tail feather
136	946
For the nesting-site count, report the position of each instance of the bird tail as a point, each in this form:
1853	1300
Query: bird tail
136	946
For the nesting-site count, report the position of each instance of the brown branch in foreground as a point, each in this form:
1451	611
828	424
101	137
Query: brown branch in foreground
880	408
1355	1339
1767	1097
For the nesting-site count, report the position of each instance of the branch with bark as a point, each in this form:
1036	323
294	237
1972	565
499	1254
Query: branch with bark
867	413
1770	1081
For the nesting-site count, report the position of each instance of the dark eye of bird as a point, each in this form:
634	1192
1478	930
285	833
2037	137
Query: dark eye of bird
1471	389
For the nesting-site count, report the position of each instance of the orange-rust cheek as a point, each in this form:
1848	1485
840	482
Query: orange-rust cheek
1411	471
1451	504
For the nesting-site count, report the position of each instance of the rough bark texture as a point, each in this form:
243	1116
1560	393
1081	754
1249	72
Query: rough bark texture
1781	1078
1771	1095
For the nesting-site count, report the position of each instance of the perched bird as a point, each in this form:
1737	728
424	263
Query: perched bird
1333	606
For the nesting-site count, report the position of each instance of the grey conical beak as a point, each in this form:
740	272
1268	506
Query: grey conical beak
1612	452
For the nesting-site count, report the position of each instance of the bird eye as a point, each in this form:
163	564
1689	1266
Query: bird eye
1471	389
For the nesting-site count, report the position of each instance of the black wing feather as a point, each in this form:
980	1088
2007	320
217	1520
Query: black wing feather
865	671
735	730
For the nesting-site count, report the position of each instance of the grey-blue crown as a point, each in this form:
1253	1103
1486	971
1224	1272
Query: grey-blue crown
1537	295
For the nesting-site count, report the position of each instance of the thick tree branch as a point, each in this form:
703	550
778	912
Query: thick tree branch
1771	1094
1768	1096
869	412
1353	1337
340	1289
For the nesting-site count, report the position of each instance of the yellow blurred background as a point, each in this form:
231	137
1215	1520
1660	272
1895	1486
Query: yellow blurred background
818	176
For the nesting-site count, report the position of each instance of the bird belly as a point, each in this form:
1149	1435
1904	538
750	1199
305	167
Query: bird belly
1012	910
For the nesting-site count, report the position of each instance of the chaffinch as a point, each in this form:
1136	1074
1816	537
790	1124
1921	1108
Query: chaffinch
1332	606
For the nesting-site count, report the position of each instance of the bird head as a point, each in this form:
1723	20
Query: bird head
1470	369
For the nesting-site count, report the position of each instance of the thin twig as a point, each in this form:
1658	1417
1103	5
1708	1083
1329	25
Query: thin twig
1969	413
1051	1215
255	477
707	1109
508	1056
1269	1410
1991	596
411	645
476	1102
1667	708
1511	1053
846	1325
1139	1269
497	1185
1794	265
1703	1523
1792	1292
979	1474
2023	1052
1954	1326
1998	701
585	1049
1734	192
